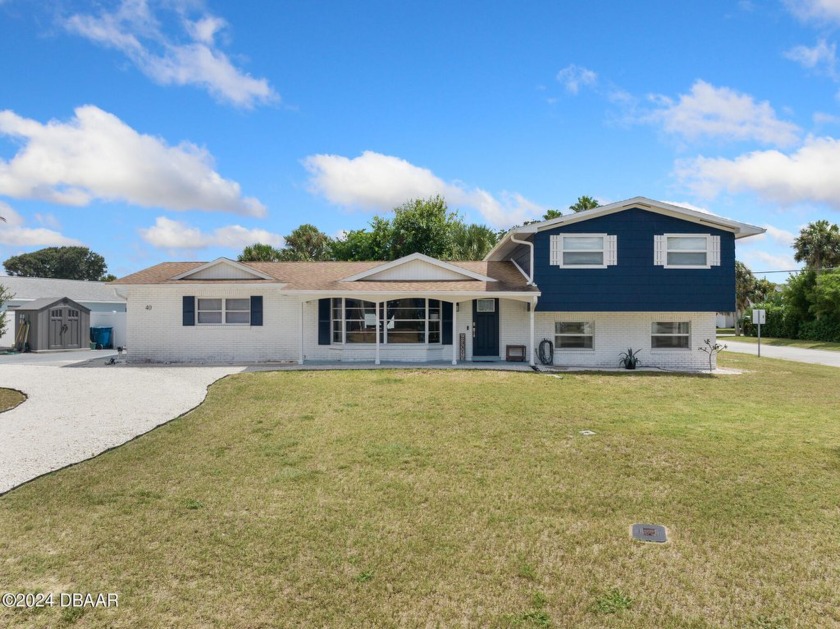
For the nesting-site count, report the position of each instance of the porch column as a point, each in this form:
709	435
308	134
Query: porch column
454	333
533	305
300	334
376	362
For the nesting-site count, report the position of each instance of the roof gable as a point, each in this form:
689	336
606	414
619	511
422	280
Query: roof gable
417	267
48	302
741	230
223	269
675	211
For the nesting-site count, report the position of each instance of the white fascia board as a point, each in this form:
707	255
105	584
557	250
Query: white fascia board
387	295
424	258
740	229
226	261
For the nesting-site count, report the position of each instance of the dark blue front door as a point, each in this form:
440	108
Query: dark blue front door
486	328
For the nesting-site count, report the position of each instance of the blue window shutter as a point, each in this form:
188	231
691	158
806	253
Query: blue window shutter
324	322
446	323
256	310
189	310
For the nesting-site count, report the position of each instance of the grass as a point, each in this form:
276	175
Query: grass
9	398
835	347
406	498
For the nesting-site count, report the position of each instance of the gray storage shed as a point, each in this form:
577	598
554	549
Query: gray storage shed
51	324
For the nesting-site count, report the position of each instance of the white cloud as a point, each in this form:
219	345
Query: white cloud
820	10
777	235
573	77
822	118
97	156
820	58
758	260
808	174
134	30
724	113
13	232
169	234
689	206
378	182
48	220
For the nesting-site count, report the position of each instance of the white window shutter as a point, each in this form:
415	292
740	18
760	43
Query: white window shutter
659	250
556	254
714	254
611	251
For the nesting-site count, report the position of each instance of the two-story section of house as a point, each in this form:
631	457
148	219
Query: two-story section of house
637	274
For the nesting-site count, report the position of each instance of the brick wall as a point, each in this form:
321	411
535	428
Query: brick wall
156	333
615	332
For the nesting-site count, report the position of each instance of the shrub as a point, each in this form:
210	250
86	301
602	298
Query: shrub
825	329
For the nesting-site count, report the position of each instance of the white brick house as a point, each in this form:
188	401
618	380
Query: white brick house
637	274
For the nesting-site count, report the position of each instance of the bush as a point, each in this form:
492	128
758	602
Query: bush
825	329
781	322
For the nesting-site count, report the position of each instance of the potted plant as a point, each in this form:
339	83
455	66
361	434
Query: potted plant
630	358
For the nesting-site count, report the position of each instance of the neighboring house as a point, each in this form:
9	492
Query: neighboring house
639	273
107	308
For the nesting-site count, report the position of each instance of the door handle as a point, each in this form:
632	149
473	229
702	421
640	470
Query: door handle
473	329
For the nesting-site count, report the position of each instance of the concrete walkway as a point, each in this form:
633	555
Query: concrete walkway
798	354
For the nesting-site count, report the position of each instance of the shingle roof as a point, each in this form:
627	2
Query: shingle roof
327	276
28	288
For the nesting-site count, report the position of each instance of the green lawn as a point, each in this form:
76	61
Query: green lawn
783	342
9	398
453	498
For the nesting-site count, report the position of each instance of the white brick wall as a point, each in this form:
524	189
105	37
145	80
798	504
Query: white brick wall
156	334
615	332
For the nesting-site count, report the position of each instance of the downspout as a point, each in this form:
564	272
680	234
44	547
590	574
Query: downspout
531	265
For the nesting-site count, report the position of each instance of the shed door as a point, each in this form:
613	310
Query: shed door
73	331
57	324
65	328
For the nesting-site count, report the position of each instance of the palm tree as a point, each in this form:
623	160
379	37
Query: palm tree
473	242
818	246
259	252
584	203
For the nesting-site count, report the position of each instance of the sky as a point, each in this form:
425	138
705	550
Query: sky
155	130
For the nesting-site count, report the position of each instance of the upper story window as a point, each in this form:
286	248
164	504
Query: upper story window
223	311
583	251
687	251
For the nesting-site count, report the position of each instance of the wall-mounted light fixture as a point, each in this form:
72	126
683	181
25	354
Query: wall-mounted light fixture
149	307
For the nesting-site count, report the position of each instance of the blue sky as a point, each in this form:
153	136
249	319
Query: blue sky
185	129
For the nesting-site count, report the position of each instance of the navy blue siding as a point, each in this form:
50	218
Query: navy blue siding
635	284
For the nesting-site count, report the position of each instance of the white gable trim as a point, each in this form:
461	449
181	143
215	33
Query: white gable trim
241	268
740	230
422	258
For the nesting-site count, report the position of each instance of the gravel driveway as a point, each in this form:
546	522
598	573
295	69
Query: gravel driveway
74	411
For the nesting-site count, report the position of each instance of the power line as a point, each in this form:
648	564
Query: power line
832	268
